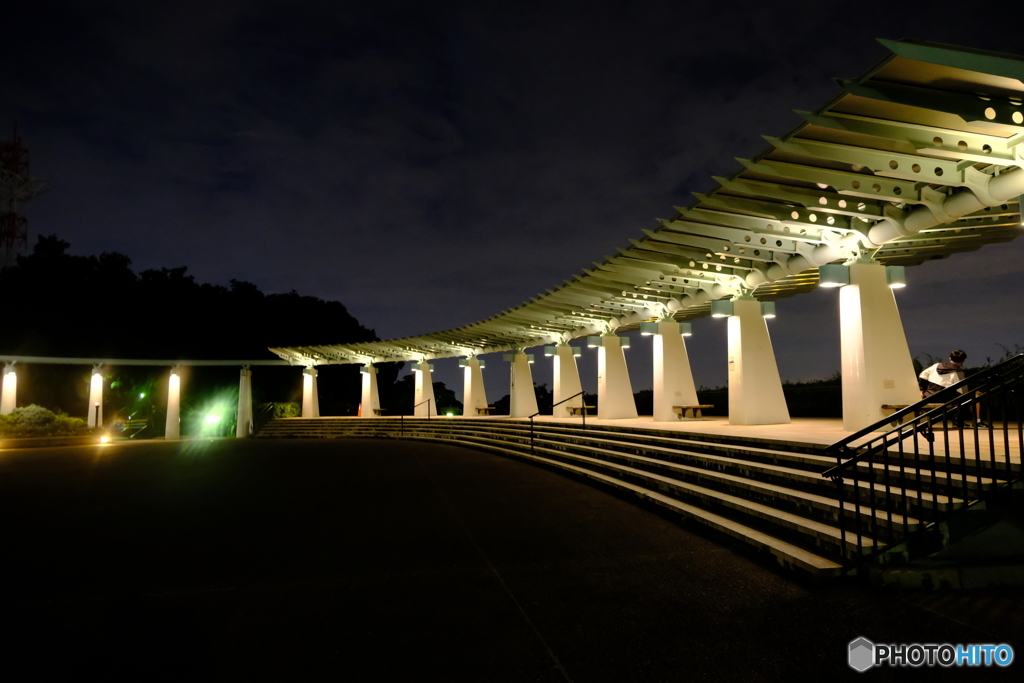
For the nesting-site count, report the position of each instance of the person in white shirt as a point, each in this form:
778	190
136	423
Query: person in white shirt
935	378
939	376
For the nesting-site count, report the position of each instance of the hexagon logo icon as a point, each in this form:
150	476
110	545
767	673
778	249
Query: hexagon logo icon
862	654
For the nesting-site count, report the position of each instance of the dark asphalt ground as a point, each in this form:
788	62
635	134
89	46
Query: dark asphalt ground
364	560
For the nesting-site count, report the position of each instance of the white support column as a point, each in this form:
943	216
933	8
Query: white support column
877	368
673	379
755	389
474	396
614	390
95	418
310	397
566	380
522	395
370	400
9	393
243	427
424	390
172	428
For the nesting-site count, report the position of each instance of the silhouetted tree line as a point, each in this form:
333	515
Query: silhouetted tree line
57	304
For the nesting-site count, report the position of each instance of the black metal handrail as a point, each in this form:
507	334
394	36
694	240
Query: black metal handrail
900	483
583	411
428	401
401	418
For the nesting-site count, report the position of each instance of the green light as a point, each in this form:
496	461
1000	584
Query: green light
212	419
450	414
143	395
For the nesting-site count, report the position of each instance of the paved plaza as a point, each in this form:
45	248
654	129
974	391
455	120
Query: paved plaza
377	560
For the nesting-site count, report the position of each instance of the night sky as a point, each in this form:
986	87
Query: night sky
431	164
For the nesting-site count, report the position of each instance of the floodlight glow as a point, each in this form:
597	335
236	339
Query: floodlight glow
896	276
833	275
686	329
649	328
768	309
142	395
104	439
593	342
721	309
212	419
449	414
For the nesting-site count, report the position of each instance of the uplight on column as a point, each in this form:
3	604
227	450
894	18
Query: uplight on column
721	309
896	276
648	329
768	309
549	351
686	329
833	275
593	342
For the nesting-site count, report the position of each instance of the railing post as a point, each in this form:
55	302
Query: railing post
840	494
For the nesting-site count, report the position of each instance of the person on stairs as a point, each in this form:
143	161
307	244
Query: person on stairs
939	376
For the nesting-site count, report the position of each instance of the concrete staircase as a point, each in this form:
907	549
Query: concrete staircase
768	495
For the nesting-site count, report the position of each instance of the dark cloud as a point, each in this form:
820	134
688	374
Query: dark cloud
430	164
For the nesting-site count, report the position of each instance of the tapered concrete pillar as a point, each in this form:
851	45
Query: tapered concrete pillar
614	390
95	418
673	379
172	428
424	399
243	425
522	395
566	379
370	400
755	389
877	368
474	396
310	396
9	392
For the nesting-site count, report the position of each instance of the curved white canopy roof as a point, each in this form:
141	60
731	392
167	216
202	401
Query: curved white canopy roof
917	159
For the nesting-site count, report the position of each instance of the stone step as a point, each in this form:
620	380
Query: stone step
816	532
787	554
765	489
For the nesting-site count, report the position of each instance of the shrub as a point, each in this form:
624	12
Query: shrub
288	409
35	420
